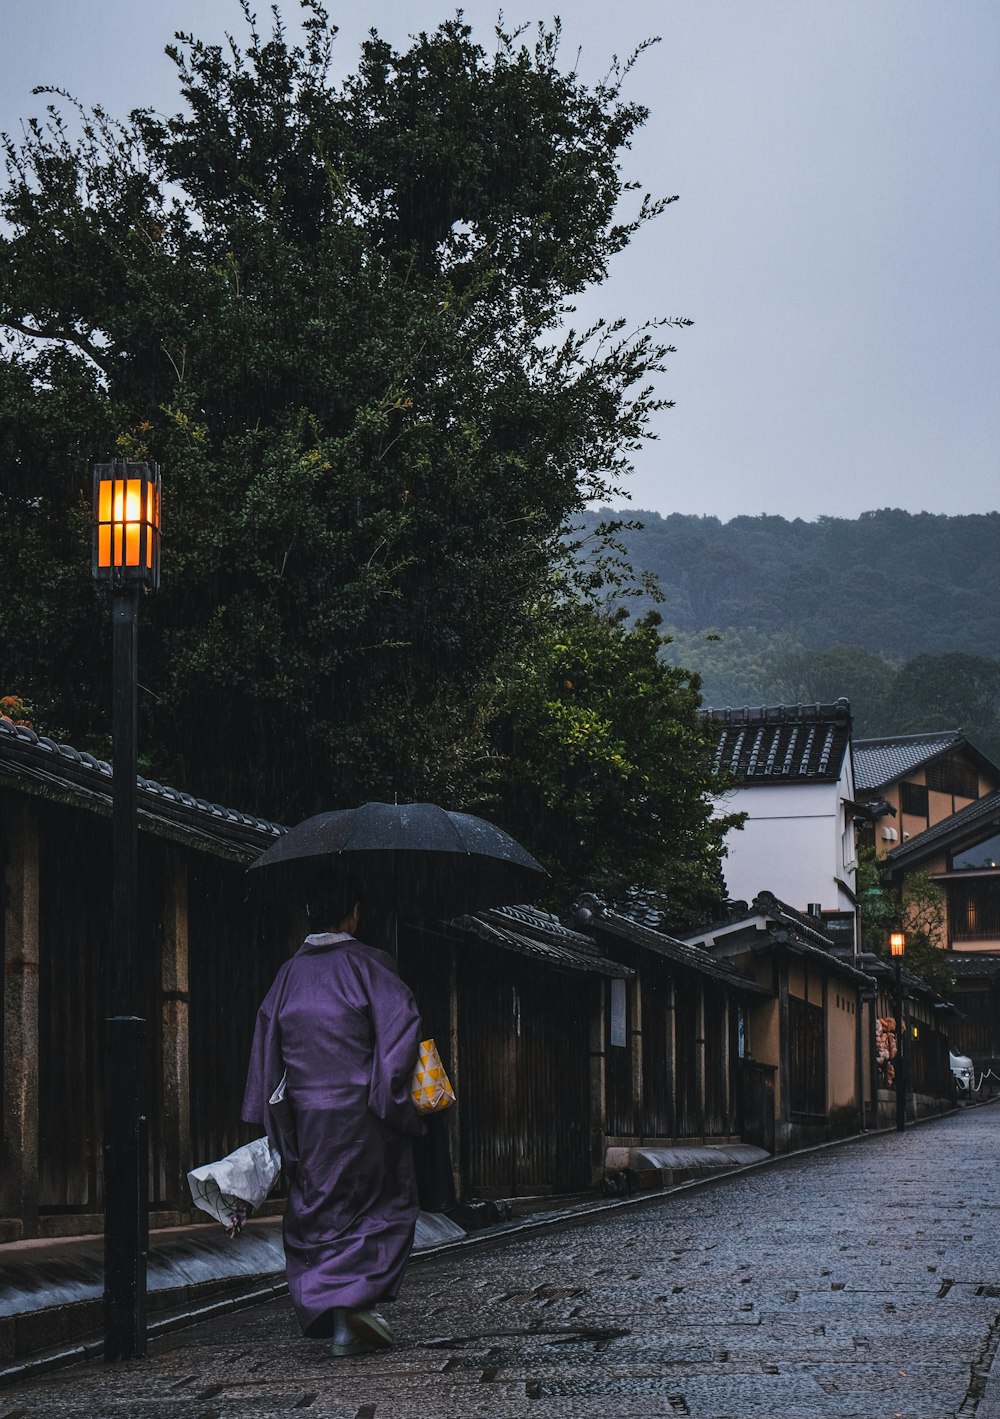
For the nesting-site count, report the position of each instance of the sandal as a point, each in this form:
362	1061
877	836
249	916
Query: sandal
341	1348
370	1329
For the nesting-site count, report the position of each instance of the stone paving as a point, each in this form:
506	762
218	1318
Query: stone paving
861	1280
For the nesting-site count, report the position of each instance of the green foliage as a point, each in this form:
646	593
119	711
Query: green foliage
736	667
924	920
898	584
604	768
921	912
890	610
929	692
336	315
823	676
945	691
878	908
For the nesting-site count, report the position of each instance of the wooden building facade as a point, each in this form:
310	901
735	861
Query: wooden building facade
567	1045
670	1038
820	1031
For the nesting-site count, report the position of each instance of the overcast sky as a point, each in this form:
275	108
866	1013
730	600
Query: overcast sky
837	238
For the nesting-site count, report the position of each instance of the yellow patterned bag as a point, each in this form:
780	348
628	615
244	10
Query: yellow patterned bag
431	1089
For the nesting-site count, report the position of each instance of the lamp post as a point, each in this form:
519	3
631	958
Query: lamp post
897	945
126	556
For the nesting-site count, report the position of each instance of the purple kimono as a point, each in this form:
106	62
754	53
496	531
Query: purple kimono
343	1029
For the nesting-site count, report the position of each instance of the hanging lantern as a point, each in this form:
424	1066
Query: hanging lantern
127	523
897	943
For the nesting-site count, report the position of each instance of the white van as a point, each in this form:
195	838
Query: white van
963	1073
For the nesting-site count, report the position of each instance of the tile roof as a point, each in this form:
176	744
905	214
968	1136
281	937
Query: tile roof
968	821
681	953
781	744
542	937
40	766
798	932
973	965
878	762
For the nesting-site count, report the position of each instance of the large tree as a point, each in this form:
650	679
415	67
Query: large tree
338	314
604	768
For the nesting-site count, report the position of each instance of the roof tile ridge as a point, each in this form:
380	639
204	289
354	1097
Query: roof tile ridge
924	736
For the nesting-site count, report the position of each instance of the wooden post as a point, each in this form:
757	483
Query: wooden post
828	1036
635	1053
598	1085
859	1062
175	1055
19	1179
699	1056
671	1063
727	1083
784	1059
455	1065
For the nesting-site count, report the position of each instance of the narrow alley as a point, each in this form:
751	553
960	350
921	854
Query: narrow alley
857	1280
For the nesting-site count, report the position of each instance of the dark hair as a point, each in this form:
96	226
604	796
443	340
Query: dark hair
330	900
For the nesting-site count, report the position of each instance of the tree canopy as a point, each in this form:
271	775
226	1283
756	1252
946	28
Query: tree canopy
604	769
340	315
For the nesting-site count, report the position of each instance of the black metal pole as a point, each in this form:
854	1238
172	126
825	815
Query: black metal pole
126	1171
900	1054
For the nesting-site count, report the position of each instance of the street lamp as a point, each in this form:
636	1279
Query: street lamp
126	556
897	945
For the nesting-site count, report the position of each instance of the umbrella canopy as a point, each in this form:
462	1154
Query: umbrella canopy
415	858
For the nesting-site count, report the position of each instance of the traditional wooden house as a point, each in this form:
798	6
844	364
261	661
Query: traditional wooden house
670	1039
516	1000
913	782
826	1033
961	853
791	770
975	1026
208	950
803	1038
928	1022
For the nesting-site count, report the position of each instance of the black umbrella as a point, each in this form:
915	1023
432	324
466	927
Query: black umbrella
414	859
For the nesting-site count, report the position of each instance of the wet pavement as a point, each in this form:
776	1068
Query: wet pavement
859	1280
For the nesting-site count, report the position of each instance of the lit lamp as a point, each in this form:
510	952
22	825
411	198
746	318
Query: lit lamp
127	524
126	556
897	946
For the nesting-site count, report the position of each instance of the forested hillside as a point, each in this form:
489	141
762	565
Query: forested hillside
899	612
897	583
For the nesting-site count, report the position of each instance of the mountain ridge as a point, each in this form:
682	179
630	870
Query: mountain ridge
896	583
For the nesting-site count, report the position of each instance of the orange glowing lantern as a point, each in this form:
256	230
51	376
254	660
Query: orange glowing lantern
127	523
897	943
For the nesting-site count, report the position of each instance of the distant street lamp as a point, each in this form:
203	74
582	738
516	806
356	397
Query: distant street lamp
897	945
126	556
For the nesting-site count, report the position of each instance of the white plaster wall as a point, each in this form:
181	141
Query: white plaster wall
792	844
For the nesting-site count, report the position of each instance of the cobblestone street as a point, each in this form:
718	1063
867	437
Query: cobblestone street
860	1280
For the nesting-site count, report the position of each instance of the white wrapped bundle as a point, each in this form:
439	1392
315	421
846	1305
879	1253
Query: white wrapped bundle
230	1189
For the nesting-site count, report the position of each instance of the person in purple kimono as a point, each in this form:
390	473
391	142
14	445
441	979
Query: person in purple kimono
333	1053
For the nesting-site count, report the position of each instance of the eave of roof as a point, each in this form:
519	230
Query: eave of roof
678	952
789	941
764	906
974	965
781	744
39	766
560	949
968	822
916	985
781	926
880	762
